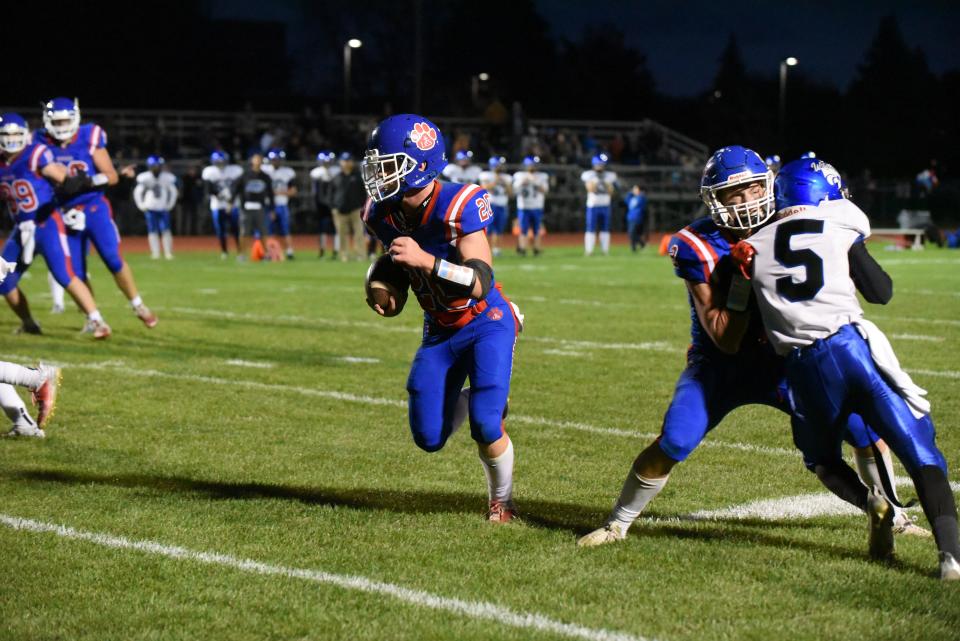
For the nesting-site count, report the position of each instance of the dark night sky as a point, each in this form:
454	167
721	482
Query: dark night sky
682	40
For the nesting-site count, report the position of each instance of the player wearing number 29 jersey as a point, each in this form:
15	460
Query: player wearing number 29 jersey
837	362
436	232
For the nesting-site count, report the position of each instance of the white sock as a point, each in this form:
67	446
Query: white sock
136	301
637	492
336	243
461	410
888	464
13	374
167	239
589	240
605	241
499	473
95	316
14	407
154	241
56	291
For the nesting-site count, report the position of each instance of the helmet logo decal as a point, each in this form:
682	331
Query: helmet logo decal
424	136
828	171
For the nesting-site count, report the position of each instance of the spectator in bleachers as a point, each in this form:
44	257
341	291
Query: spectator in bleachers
349	196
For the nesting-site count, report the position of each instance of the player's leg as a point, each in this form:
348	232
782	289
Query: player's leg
56	293
220	229
235	227
493	336
51	241
43	383
15	409
536	227
589	234
685	424
603	225
523	225
153	234
433	387
283	222
166	234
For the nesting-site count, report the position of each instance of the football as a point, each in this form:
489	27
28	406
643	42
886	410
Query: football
386	285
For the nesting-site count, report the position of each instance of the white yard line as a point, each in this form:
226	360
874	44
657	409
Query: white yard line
357	359
481	610
934	372
948	322
239	362
924	338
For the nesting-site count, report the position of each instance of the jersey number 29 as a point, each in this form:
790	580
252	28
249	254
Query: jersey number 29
813	283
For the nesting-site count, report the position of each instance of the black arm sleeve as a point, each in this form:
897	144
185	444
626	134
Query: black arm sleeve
484	275
73	185
870	279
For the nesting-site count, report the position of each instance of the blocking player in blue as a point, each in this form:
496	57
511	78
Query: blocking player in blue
729	363
88	215
803	266
500	187
437	232
28	174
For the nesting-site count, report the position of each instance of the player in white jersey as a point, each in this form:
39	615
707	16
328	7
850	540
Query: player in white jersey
282	176
500	187
218	183
155	195
321	182
804	266
463	171
530	187
600	184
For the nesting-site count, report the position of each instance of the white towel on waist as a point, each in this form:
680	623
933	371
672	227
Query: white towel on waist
889	366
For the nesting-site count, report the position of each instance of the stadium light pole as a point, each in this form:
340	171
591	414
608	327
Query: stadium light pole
784	65
348	48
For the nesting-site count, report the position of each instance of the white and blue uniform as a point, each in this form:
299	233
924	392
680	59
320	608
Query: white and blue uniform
219	181
155	195
530	187
598	201
461	175
282	177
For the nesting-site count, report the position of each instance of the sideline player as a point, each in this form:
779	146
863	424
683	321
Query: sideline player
500	187
729	363
804	275
530	186
435	231
88	215
282	176
463	171
600	184
219	187
155	195
27	175
321	179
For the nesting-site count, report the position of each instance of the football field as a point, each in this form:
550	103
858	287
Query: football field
245	472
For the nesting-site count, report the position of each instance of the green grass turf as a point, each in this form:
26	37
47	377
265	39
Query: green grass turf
150	443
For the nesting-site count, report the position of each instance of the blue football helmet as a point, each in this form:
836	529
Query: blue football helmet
464	156
773	163
155	161
61	118
218	157
600	160
276	154
731	167
404	152
807	182
14	133
531	161
808	155
326	156
497	161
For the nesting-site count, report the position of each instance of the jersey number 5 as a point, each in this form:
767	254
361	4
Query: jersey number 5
786	286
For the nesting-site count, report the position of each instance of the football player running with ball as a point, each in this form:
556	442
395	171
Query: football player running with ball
803	267
730	363
435	231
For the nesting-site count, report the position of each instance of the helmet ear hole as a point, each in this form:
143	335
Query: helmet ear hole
423	166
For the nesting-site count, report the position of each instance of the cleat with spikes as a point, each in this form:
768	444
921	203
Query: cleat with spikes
45	396
149	318
904	524
27	431
881	514
949	568
502	512
610	533
101	331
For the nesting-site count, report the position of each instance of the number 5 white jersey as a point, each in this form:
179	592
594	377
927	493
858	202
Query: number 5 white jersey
801	273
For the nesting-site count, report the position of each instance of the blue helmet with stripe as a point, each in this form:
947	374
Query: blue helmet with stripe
736	166
807	181
14	133
61	118
404	152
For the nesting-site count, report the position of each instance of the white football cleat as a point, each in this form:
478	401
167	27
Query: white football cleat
903	523
610	533
949	568
57	309
881	515
30	431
